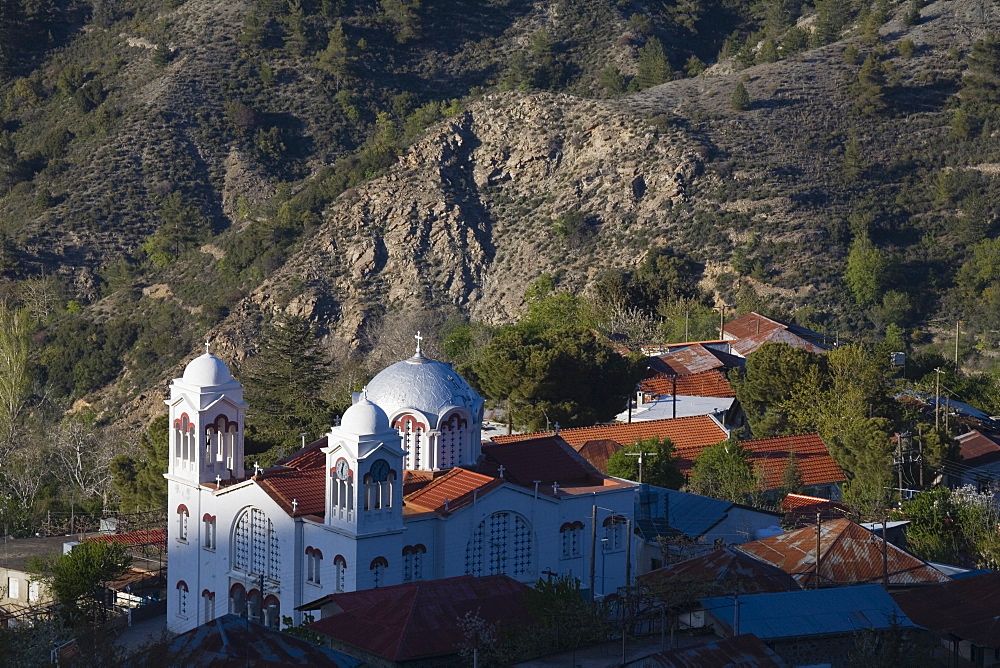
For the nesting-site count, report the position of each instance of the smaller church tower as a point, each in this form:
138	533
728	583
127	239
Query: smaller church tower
364	482
206	423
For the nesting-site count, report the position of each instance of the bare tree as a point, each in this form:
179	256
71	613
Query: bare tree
15	374
83	452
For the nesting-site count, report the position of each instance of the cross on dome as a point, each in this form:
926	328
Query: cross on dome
419	339
207	345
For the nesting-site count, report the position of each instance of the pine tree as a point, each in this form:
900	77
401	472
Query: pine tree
285	383
741	98
791	478
981	83
653	67
336	57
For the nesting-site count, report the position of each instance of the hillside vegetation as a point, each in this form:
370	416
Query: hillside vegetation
175	170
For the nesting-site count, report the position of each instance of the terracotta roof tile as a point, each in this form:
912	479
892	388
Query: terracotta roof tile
849	554
816	466
705	384
455	487
548	459
422	619
696	430
307	487
154	537
792	501
308	457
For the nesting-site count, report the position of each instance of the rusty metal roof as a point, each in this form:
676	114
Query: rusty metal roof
421	619
978	449
230	640
968	608
744	651
849	554
693	359
725	571
749	344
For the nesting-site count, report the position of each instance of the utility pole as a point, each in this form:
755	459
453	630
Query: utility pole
673	393
885	555
687	315
628	553
593	547
818	526
937	398
899	442
642	458
958	331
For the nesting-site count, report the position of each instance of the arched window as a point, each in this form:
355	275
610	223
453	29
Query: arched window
220	441
208	603
570	534
272	612
614	532
379	483
451	440
340	572
185	442
238	600
412	431
182	522
182	599
255	606
255	545
208	522
341	492
378	568
502	543
314	561
413	562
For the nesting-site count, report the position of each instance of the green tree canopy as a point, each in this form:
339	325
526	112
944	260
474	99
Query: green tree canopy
74	577
285	384
653	67
565	374
139	479
725	471
659	466
867	273
954	526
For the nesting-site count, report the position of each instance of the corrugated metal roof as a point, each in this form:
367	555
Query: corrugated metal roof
725	571
849	554
697	430
421	619
968	608
978	449
811	612
748	345
230	640
692	359
744	651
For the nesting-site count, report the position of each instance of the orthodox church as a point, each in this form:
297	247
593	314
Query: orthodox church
401	490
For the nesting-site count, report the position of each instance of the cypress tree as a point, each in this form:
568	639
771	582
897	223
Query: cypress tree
741	98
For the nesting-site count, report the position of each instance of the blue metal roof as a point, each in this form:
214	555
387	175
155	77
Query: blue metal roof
690	514
809	612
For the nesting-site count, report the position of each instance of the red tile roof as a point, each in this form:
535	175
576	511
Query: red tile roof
548	459
696	430
307	487
978	449
967	608
723	572
815	464
849	554
792	501
801	510
308	457
705	384
456	487
154	537
421	619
